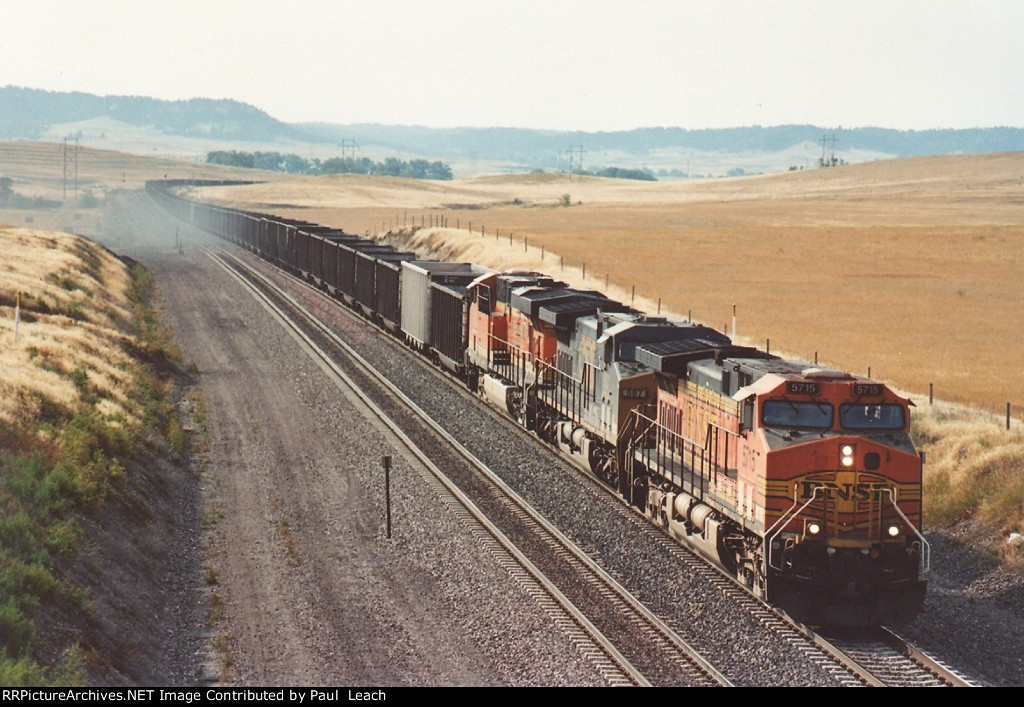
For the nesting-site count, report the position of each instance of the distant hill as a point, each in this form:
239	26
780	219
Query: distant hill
28	113
540	147
208	124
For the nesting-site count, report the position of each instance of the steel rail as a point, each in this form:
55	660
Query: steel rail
646	620
401	440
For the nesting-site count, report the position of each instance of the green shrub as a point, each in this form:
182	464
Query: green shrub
19	536
63	536
16	631
21	673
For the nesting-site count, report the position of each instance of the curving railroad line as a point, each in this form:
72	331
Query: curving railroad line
628	642
880	661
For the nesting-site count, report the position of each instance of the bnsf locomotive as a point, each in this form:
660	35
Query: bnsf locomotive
801	482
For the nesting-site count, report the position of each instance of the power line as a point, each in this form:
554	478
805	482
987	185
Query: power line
349	146
576	152
831	160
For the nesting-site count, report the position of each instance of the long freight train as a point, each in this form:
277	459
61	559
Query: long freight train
801	482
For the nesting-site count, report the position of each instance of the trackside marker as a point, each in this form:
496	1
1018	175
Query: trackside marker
387	492
17	315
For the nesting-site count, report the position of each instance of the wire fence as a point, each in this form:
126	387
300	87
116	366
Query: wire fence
441	220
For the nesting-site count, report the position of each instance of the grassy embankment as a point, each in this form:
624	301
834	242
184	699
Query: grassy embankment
973	477
81	391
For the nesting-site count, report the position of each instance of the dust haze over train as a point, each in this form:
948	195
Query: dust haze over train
800	482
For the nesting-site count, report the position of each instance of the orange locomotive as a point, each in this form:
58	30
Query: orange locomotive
801	482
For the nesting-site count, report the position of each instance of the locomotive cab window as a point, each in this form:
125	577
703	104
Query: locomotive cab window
748	414
872	417
483	299
796	415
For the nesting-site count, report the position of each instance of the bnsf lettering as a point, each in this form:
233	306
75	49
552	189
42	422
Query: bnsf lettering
845	492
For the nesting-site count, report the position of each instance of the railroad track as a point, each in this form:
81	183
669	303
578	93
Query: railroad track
629	643
880	658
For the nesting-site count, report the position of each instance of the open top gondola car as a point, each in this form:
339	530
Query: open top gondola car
435	306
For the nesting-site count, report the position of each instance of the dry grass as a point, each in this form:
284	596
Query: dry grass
71	345
974	476
79	391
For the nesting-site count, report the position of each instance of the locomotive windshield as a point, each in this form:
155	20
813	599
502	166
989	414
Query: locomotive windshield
872	417
796	415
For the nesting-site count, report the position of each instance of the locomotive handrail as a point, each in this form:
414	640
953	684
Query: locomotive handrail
782	522
714	429
702	466
925	564
563	390
684	438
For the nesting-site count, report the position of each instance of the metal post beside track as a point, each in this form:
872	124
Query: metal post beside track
387	494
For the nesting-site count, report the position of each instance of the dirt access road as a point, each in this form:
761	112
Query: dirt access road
301	583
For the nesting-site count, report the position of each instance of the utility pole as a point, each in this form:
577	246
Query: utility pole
64	192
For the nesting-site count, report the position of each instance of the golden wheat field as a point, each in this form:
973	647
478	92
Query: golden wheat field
912	269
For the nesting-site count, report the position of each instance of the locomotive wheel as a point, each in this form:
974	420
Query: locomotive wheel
514	405
746	576
546	427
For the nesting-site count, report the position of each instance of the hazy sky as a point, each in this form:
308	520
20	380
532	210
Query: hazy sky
559	64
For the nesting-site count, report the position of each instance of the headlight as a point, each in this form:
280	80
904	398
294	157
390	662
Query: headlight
846	455
813	528
894	530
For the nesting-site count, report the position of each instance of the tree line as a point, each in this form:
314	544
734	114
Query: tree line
11	199
294	164
624	173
